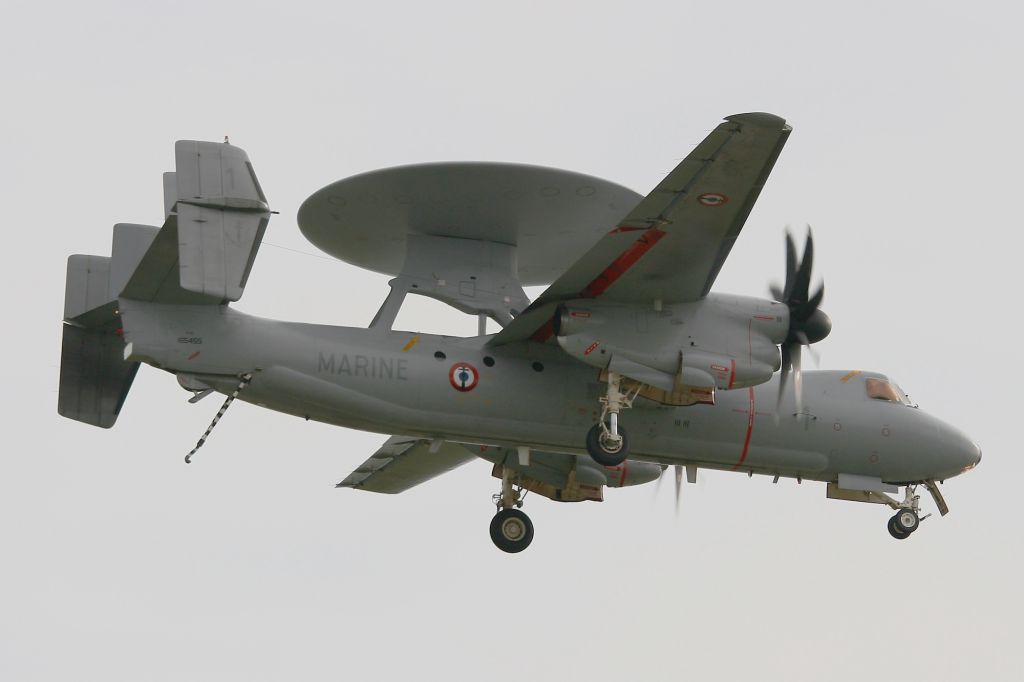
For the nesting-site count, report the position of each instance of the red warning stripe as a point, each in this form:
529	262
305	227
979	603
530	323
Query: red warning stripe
750	431
544	333
608	276
624	262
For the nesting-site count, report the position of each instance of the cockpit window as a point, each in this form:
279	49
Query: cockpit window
879	389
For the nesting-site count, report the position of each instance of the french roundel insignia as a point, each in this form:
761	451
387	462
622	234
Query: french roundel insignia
712	199
463	377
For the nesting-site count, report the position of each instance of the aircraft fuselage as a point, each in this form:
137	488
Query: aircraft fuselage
533	394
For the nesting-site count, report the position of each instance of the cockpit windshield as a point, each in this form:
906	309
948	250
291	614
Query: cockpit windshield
880	389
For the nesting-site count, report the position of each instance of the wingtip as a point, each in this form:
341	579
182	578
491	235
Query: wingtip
760	119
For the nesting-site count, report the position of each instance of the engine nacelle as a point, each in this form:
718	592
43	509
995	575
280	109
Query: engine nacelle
576	320
568	478
630	472
720	342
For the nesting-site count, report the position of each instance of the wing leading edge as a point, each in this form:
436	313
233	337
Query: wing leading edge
671	247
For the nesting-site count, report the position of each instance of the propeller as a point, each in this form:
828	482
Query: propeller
678	483
807	322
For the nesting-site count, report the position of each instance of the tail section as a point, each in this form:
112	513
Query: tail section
215	217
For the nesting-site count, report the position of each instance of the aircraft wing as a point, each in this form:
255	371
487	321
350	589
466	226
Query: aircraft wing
403	462
673	244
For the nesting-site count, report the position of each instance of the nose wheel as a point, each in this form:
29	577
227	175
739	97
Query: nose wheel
607	442
907	518
511	528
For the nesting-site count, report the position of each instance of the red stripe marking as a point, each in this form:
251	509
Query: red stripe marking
624	262
770	318
622	479
750	430
732	374
194	355
624	228
544	333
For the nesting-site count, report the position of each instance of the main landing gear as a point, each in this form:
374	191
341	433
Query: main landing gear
511	528
607	441
907	518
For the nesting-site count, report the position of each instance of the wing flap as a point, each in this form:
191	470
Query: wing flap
404	462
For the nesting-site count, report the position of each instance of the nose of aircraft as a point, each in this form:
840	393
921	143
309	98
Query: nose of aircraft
967	452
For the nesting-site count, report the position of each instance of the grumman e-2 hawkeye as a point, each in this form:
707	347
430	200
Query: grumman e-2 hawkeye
626	364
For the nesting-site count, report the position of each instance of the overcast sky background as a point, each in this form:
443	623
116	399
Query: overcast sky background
119	562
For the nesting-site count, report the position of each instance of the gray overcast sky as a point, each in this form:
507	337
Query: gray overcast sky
120	563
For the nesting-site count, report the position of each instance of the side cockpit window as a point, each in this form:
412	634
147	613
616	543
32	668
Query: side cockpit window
880	389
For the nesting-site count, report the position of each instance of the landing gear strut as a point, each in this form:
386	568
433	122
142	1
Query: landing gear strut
607	441
511	528
907	518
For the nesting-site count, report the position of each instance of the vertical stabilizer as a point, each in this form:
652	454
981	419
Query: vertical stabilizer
221	217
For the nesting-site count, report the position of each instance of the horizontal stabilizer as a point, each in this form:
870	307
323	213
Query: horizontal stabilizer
404	462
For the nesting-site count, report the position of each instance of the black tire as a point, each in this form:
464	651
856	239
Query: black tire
906	520
599	452
511	530
896	532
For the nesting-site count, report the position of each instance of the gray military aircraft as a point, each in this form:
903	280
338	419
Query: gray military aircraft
631	324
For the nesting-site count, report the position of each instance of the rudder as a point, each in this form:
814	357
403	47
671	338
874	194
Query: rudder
94	376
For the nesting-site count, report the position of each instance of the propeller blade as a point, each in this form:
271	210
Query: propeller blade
790	267
657	483
776	292
783	375
802	283
679	485
815	355
798	383
816	300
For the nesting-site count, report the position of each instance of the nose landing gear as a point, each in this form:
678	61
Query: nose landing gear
906	519
511	528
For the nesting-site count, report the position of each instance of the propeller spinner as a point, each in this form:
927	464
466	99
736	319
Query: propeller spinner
807	322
